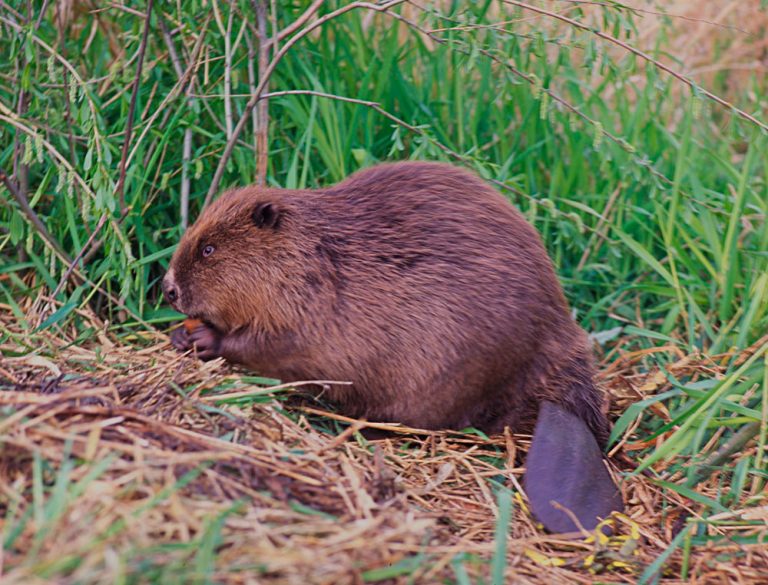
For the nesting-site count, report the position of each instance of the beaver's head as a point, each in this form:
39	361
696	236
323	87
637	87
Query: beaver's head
232	265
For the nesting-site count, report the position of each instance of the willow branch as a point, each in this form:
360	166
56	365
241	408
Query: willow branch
120	188
34	219
643	55
298	23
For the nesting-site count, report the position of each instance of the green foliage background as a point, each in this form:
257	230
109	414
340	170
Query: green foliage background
650	197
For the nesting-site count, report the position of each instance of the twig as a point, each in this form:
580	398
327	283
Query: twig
275	41
175	60
596	235
262	116
21	170
252	87
298	23
265	75
121	7
120	188
23	202
12	10
80	254
733	445
377	108
67	65
226	33
679	76
186	153
41	14
635	9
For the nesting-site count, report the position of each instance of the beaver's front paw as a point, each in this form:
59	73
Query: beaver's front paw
180	339
206	342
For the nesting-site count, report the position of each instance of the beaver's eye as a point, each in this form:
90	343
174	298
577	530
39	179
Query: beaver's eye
208	250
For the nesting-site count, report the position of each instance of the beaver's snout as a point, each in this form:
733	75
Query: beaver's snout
171	291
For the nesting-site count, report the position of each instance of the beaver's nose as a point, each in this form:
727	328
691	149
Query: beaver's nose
170	291
171	294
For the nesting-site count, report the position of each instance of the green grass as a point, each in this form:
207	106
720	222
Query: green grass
659	236
682	241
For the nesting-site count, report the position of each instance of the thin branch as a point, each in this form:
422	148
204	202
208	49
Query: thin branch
322	94
252	87
73	263
67	65
375	106
265	75
34	219
41	14
20	170
186	153
679	76
120	188
175	60
298	23
262	116
532	80
598	237
733	445
226	32
18	15
175	90
273	22
122	8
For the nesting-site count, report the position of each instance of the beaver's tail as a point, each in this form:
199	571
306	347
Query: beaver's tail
566	477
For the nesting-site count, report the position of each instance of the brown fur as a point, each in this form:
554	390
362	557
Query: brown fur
417	282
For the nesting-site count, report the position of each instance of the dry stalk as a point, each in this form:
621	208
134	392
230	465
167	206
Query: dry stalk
122	168
186	154
267	73
262	116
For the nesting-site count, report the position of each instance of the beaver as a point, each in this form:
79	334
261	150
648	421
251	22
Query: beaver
427	290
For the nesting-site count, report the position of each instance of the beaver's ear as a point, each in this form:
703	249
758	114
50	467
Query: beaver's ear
565	466
266	215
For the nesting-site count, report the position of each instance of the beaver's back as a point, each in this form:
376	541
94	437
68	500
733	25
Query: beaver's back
446	310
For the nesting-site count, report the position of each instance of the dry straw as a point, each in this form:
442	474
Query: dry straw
146	461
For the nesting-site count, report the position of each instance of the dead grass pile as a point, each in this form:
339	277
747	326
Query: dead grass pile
123	460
